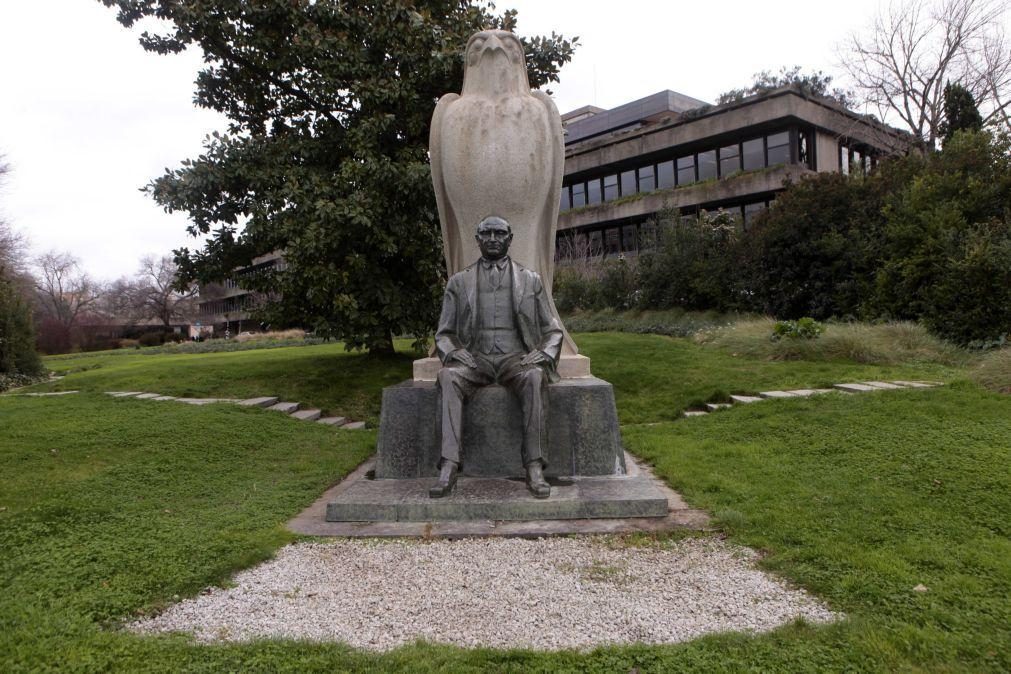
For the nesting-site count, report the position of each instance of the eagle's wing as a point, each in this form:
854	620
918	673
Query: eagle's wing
549	212
451	227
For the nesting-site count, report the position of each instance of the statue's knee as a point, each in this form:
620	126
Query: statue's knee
533	376
446	376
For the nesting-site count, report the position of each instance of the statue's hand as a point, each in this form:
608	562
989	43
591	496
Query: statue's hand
535	357
465	357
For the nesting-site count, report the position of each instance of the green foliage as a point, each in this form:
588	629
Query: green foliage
946	243
17	335
960	112
803	328
810	84
691	265
325	156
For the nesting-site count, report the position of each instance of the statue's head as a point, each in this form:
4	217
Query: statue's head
495	63
493	237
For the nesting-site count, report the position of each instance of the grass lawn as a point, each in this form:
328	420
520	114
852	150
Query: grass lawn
655	379
110	507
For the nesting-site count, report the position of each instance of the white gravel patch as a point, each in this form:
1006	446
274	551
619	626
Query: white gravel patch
495	592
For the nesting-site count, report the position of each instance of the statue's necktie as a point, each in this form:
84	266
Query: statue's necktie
495	276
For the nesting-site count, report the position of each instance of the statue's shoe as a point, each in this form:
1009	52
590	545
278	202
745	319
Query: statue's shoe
447	479
536	483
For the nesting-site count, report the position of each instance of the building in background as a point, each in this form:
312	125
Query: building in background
226	307
624	165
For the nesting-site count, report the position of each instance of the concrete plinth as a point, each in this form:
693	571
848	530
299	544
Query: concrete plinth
498	499
583	437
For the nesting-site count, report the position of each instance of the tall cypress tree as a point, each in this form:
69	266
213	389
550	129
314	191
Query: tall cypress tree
17	332
960	112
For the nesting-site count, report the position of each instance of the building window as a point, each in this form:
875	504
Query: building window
686	170
647	235
707	165
665	174
628	239
803	150
593	191
578	195
779	148
565	200
646	179
628	182
613	244
730	160
754	154
752	210
596	243
844	160
610	187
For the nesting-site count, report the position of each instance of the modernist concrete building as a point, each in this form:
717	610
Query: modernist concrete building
226	306
624	165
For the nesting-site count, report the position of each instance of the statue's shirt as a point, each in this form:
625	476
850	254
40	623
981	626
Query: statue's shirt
497	332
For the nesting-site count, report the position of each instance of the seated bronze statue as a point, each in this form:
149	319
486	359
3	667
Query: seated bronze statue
496	327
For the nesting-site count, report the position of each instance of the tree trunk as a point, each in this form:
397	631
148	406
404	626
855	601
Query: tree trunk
382	345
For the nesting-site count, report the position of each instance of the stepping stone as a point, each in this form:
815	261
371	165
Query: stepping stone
694	413
124	394
333	421
196	401
307	415
166	398
265	401
855	388
743	400
287	408
882	384
917	384
714	407
353	426
54	393
776	394
148	396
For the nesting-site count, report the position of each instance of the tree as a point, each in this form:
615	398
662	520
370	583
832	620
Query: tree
64	291
960	112
156	293
900	66
811	84
325	155
17	333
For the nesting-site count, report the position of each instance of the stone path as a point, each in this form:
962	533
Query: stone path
845	389
546	594
272	403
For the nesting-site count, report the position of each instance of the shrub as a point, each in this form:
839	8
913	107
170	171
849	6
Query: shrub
994	370
151	339
17	332
804	328
881	344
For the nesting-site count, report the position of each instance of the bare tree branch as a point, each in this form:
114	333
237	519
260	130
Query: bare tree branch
901	65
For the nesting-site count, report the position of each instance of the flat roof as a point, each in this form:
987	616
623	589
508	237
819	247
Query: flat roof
593	121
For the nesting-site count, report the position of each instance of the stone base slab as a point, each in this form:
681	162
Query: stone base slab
582	428
497	499
572	366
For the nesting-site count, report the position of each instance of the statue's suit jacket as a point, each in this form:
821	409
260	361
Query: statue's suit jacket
538	327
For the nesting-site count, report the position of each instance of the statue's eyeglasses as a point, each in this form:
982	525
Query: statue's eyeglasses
494	234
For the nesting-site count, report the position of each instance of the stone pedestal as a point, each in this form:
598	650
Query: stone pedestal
570	366
583	436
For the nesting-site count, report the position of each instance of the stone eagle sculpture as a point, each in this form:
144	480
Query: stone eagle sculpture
497	149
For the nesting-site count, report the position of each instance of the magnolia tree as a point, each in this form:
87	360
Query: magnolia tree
325	155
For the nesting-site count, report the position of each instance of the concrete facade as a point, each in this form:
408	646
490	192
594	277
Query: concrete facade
668	150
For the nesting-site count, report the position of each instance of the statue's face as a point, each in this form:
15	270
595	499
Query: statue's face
493	238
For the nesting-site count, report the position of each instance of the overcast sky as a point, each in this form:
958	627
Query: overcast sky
87	117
